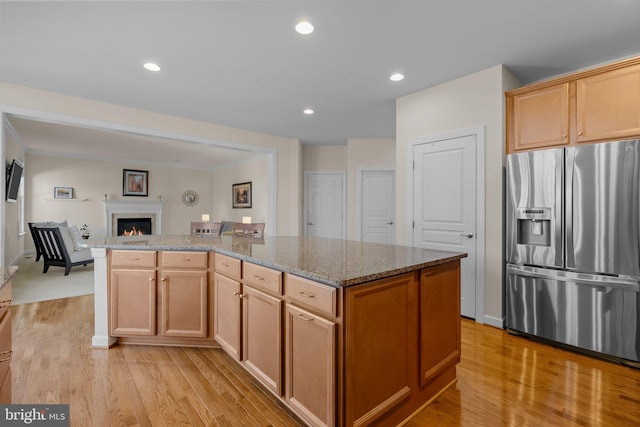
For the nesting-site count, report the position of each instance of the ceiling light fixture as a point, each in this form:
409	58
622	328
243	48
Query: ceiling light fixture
304	27
396	77
152	66
308	111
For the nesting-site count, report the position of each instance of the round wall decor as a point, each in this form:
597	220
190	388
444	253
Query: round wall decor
190	198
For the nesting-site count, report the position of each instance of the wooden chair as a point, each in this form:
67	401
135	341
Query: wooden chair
205	228
54	251
255	229
32	229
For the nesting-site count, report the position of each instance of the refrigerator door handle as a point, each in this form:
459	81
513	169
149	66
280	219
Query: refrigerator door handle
570	155
582	278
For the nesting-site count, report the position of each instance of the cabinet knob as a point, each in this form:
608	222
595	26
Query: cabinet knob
164	279
151	279
238	294
580	133
564	135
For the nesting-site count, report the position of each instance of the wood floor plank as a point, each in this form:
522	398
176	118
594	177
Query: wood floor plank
502	380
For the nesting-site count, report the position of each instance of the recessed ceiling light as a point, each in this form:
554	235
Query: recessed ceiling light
152	66
396	77
304	27
308	111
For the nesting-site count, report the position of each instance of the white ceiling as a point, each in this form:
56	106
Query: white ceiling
240	63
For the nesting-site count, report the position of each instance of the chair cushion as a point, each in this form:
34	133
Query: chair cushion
67	240
79	256
76	236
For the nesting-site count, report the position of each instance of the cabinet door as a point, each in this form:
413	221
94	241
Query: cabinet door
541	118
608	105
440	320
310	349
227	301
380	358
262	337
184	303
132	301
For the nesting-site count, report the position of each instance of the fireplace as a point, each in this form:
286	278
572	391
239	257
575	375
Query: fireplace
133	226
149	213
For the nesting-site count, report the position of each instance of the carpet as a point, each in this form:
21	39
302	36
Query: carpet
31	285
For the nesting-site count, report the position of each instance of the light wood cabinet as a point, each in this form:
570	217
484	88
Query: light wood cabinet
439	305
161	297
184	305
601	104
608	105
541	118
262	337
133	293
227	312
6	350
133	302
311	366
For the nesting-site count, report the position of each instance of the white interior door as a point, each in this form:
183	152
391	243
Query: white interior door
378	206
444	205
325	204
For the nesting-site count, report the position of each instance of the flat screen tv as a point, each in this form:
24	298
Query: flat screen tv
14	173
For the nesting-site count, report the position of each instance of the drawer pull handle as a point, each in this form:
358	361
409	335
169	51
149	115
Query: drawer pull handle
6	359
305	318
224	264
305	295
5	303
186	259
258	278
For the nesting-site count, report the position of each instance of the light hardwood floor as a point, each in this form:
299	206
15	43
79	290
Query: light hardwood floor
503	380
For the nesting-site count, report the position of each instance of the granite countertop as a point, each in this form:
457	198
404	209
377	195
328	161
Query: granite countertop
7	274
334	262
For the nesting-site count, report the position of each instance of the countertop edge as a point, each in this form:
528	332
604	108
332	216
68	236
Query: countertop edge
318	277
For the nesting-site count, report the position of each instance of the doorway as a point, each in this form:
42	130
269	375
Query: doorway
448	205
324	204
377	205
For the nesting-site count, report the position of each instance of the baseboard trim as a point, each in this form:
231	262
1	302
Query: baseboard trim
496	322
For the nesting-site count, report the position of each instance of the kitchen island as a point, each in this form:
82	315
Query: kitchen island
344	333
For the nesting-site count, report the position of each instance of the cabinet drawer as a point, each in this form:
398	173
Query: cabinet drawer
262	278
314	295
142	259
179	259
228	266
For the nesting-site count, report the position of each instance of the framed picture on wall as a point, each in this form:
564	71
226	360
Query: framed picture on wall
135	183
63	192
241	194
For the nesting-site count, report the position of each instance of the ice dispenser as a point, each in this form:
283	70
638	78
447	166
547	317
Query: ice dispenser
534	226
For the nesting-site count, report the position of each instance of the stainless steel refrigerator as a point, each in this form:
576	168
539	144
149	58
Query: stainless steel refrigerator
573	247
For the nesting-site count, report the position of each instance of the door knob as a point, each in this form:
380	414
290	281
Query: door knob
467	235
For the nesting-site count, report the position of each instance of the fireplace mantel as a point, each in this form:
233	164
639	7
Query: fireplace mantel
115	209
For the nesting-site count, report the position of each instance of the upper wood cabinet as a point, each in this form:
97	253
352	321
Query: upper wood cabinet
608	105
541	118
601	104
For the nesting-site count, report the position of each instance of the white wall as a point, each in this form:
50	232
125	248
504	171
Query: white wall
253	170
358	154
92	179
365	153
14	242
33	102
470	101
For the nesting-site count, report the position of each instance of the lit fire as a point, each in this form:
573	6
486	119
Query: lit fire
133	232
